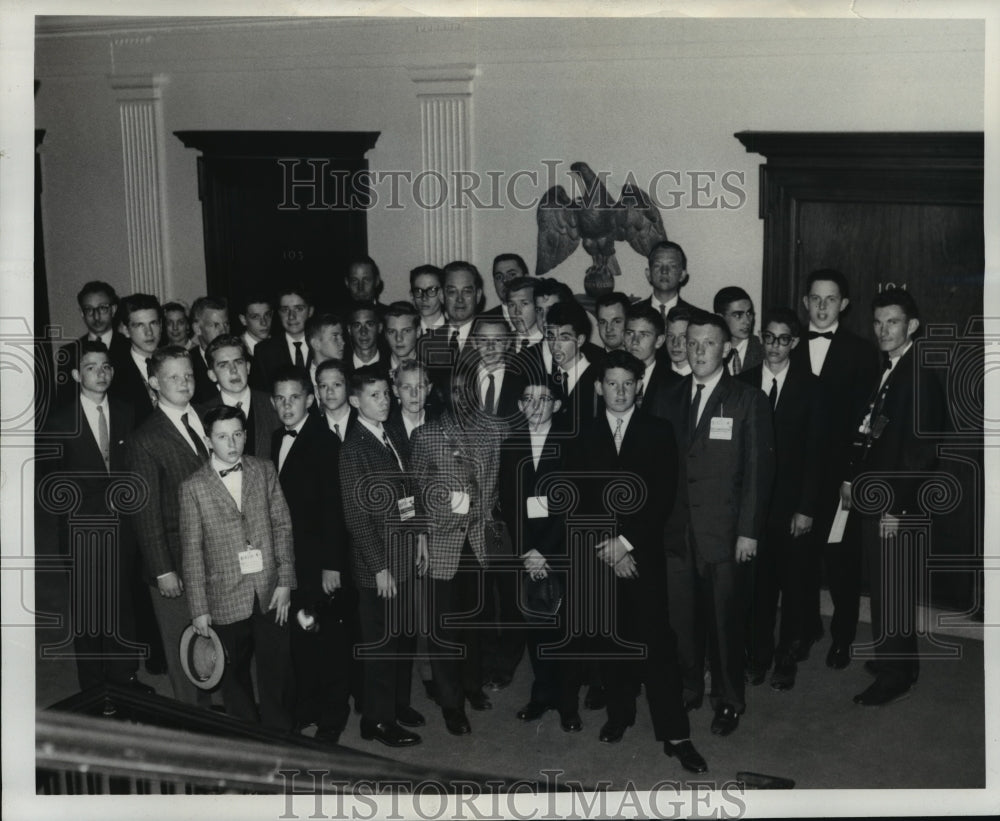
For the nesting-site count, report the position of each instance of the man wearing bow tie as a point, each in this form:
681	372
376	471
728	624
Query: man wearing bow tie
236	537
846	364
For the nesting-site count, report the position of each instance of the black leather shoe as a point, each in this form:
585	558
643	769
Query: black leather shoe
479	701
134	684
839	656
726	720
693	704
389	733
570	722
498	681
457	723
783	677
613	732
595	698
882	692
754	674
409	717
532	711
689	757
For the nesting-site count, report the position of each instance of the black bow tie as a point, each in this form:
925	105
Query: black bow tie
237	467
821	334
292	433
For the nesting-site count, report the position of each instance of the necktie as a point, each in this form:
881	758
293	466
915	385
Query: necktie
103	437
523	343
491	396
336	430
773	394
618	436
145	381
239	405
299	361
663	311
557	374
638	394
199	446
821	334
453	344
388	443
695	407
735	362
292	433
237	467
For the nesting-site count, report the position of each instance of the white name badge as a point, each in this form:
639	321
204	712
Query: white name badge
407	508
722	428
251	560
538	507
459	502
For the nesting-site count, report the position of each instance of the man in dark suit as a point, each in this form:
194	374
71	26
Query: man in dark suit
846	366
726	441
427	293
140	319
307	454
401	328
497	382
331	379
667	274
455	458
734	305
229	369
894	444
167	448
255	316
412	389
644	337
610	310
521	310
784	553
97	301
288	347
91	433
364	285
506	269
385	551
236	537
549	292
626	565
209	319
366	345
327	339
566	329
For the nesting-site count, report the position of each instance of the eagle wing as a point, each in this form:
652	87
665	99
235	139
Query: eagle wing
639	220
558	230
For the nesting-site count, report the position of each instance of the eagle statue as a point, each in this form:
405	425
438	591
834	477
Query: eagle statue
597	221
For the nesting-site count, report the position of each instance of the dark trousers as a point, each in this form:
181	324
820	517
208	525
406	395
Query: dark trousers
893	574
503	645
389	638
173	617
547	638
706	605
322	663
843	571
456	662
267	643
780	568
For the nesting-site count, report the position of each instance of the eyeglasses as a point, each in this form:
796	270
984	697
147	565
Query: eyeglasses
426	293
93	310
784	340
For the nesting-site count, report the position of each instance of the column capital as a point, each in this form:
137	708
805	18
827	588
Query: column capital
138	86
452	79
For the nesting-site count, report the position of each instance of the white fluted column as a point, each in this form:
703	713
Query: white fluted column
445	94
141	114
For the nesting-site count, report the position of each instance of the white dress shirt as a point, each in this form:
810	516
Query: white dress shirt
741	351
360	363
341	418
820	347
409	426
538	438
89	408
175	415
572	376
670	303
706	393
250	341
484	384
231	400
290	343
613	423
233	481
767	377
288	441
683	369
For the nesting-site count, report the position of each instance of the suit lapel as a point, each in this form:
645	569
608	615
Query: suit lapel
716	400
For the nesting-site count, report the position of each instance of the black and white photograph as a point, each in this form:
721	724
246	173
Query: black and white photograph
489	410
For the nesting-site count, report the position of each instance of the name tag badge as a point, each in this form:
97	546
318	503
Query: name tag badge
722	428
460	502
407	508
251	561
538	507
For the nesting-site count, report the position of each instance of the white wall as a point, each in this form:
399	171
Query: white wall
644	96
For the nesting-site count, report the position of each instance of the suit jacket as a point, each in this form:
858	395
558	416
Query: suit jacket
68	390
681	303
352	419
507	407
129	386
753	356
724	484
214	531
372	485
262	422
656	390
163	458
204	388
914	407
447	458
270	355
800	446
311	484
384	363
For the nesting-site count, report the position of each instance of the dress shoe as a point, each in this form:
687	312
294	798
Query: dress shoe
612	732
498	681
783	677
883	691
430	687
693	703
389	733
839	656
726	720
479	701
409	717
532	711
134	684
457	723
595	698
689	757
754	674
570	722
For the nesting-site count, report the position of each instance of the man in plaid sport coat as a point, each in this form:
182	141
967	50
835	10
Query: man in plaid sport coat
455	459
239	567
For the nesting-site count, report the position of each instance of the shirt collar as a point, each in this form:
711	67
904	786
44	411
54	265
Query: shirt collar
297	428
832	329
708	383
90	404
614	417
231	401
220	466
376	430
175	414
